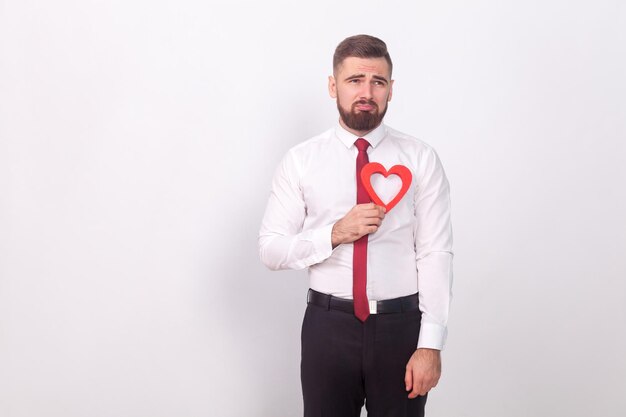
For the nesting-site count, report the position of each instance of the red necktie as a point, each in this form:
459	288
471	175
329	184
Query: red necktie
359	281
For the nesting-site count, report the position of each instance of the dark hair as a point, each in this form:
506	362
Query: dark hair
361	46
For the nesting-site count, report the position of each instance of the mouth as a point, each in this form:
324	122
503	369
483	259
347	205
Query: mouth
365	106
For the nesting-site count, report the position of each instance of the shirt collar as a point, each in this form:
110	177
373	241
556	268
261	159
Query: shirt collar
374	137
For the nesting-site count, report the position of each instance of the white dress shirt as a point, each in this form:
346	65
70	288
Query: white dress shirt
315	186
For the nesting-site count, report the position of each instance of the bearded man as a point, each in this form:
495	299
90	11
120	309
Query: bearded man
380	276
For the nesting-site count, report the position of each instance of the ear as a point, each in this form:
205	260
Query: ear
390	91
332	86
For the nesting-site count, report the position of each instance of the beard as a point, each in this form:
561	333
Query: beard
362	121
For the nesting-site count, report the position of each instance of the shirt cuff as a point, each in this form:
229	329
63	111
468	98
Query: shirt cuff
322	243
432	336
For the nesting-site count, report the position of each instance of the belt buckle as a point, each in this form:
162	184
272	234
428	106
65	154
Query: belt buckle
373	306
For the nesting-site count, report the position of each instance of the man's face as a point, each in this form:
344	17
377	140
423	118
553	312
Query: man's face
362	87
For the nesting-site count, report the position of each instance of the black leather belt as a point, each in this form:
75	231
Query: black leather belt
395	305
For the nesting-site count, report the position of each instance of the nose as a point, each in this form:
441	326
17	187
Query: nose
366	91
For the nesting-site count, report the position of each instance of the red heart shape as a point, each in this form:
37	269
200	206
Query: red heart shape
375	168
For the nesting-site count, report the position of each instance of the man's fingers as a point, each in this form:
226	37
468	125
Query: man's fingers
373	213
408	379
421	384
370	205
415	382
374	221
365	229
371	229
423	388
380	210
416	389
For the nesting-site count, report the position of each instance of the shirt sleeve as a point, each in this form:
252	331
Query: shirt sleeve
282	242
433	249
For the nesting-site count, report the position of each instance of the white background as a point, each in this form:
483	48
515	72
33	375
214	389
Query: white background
137	144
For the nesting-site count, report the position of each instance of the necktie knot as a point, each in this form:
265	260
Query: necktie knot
361	144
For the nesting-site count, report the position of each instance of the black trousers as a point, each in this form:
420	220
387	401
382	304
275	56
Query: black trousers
346	363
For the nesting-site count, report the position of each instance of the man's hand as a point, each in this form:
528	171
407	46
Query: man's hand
422	371
361	220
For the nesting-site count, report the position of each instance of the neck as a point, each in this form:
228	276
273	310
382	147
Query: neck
359	133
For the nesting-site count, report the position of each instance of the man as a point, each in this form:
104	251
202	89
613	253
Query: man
380	280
